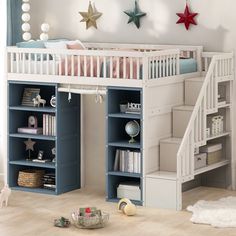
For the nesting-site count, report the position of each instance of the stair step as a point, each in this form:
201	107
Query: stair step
168	154
192	88
162	175
181	117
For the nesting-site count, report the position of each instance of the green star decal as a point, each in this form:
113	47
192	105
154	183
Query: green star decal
135	15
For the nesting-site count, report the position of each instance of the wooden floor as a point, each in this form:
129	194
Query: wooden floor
33	214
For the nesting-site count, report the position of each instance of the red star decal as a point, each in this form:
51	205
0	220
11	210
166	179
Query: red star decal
187	17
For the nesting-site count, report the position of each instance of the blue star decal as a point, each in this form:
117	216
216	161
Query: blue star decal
135	15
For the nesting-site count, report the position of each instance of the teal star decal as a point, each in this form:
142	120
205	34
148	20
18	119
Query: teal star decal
135	15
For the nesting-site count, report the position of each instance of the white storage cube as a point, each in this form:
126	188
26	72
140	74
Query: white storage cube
181	117
200	160
192	89
168	154
130	191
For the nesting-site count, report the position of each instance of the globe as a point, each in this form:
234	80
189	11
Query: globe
132	128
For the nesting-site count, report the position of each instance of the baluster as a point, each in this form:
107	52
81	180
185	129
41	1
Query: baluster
85	66
124	68
138	68
79	65
23	66
131	68
174	65
29	63
153	67
41	64
91	66
98	67
104	67
167	66
66	65
60	65
35	63
48	61
111	67
54	65
164	67
160	67
11	59
117	67
72	62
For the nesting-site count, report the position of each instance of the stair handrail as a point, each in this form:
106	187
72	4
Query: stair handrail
190	126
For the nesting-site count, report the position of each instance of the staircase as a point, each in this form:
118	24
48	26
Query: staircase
189	123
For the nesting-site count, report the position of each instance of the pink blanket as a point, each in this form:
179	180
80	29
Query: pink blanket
94	67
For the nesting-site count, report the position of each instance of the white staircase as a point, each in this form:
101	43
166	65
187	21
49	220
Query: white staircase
189	123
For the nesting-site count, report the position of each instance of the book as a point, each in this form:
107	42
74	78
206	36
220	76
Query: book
29	130
117	160
42	161
130	158
28	95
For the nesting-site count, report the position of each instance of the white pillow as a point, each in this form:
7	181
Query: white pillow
56	45
75	42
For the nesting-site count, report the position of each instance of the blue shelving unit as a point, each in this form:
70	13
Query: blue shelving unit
118	139
66	141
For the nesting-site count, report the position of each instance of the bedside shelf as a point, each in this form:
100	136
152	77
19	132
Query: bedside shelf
34	190
126	174
33	109
125	115
125	144
218	136
33	136
49	165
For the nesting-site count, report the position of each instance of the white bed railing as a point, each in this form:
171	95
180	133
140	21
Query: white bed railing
221	66
111	64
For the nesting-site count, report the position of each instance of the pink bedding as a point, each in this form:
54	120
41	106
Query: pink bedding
86	63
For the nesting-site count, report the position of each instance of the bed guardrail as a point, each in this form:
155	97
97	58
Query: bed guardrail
112	64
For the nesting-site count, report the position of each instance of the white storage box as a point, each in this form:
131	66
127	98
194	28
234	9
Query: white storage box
129	190
200	161
214	153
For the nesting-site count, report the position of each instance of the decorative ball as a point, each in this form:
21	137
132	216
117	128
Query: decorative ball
130	210
26	36
132	128
25	27
25	0
25	17
45	27
44	37
25	7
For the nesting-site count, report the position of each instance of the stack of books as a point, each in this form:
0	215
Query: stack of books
127	161
49	125
49	181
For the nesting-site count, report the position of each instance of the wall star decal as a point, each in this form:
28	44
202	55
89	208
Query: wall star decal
187	17
91	16
135	15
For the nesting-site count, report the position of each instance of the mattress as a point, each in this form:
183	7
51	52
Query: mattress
51	68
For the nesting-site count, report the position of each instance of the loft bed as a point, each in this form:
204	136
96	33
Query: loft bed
155	76
127	65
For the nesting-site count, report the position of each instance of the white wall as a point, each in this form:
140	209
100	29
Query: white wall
216	31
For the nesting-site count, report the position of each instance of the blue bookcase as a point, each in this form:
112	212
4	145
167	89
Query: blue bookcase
118	139
66	141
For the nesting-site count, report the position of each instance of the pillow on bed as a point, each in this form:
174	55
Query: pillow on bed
56	45
33	44
77	44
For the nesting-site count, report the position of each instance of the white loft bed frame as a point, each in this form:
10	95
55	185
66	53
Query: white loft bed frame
160	93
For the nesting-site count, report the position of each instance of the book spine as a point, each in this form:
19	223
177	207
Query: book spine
130	162
116	162
135	162
55	126
44	133
139	163
46	124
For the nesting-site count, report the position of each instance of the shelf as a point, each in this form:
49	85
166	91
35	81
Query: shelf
126	174
125	144
218	136
125	115
33	136
213	111
139	203
50	165
33	109
224	106
34	190
211	167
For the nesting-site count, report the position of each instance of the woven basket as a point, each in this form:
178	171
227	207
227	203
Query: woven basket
30	178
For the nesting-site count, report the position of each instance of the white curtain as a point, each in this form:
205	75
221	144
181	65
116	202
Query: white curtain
3	39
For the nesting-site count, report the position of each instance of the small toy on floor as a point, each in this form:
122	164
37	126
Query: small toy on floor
62	222
127	207
4	196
